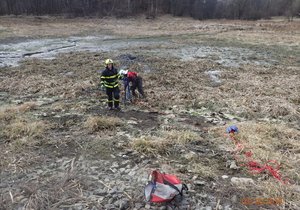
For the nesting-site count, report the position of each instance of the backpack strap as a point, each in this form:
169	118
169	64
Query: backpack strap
173	186
152	191
184	187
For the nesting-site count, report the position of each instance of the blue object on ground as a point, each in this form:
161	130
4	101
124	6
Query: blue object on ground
232	129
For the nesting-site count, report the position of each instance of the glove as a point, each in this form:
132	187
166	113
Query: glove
102	87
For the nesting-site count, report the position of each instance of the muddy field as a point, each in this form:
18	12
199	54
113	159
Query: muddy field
61	148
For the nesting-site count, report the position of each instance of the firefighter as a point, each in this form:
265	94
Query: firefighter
110	80
136	81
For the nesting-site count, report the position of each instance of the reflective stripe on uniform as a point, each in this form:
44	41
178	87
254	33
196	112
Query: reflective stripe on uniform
111	86
110	83
110	77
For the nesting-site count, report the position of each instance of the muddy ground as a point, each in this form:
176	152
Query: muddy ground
62	149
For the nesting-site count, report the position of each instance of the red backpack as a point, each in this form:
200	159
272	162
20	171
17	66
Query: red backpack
163	187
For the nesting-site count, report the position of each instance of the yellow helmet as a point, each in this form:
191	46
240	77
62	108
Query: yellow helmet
109	61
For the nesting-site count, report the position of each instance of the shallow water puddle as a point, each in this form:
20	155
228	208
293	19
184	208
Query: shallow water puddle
12	53
225	56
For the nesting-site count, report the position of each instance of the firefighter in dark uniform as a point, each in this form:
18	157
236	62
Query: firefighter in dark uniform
110	80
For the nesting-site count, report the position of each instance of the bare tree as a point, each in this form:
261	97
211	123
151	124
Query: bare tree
199	9
292	9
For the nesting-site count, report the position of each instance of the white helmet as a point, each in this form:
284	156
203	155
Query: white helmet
123	72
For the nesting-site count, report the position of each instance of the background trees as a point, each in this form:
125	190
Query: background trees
199	9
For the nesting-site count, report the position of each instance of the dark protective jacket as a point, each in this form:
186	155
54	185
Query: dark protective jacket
110	78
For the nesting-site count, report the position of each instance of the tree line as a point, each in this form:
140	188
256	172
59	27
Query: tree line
198	9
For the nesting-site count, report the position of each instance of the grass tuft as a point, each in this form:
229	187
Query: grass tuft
151	145
9	113
21	128
97	123
164	143
208	172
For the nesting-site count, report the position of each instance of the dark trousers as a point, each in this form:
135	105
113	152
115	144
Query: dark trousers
113	95
137	83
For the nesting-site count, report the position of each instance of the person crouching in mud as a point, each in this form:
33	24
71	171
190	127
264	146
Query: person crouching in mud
110	80
135	80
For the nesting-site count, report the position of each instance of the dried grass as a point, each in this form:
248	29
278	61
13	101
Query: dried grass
268	141
8	113
98	123
205	171
100	146
17	158
289	193
25	107
18	129
180	137
252	91
163	25
277	142
165	143
270	189
59	190
246	94
23	129
151	145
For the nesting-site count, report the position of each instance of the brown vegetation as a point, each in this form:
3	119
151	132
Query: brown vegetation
262	99
165	142
98	123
